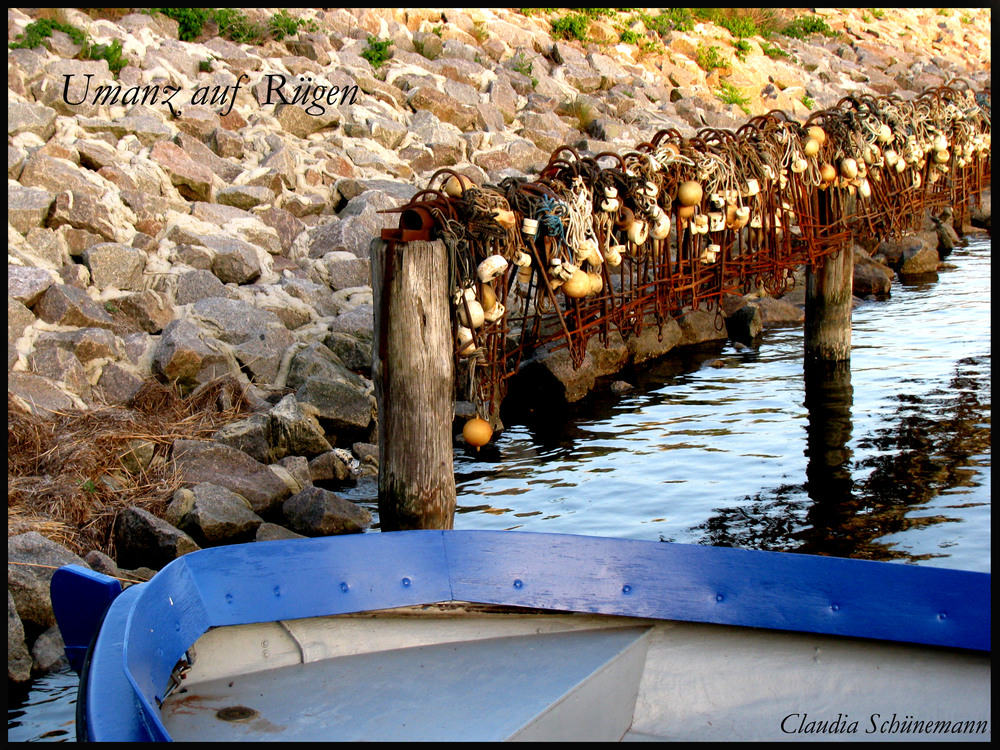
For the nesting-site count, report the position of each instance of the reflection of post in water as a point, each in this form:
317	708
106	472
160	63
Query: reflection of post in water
829	484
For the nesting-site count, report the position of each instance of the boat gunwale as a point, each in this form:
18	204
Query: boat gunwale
268	581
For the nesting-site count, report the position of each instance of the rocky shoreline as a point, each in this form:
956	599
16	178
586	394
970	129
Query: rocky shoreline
194	229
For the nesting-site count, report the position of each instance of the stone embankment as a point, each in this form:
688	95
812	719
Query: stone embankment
205	212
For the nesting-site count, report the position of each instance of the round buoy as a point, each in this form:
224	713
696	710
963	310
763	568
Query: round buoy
577	285
689	193
817	134
477	432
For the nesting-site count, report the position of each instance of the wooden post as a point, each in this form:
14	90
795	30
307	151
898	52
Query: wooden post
829	296
413	372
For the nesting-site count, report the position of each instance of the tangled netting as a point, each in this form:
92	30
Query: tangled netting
618	241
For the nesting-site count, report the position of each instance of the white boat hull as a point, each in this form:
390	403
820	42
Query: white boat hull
379	677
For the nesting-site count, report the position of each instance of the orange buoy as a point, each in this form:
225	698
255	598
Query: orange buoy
477	432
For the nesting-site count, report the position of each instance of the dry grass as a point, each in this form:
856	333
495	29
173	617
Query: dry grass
65	476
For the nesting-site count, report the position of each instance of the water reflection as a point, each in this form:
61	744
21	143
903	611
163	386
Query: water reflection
932	446
889	459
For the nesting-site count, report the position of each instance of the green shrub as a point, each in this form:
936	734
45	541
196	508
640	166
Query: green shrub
521	64
805	26
740	27
571	26
650	47
877	13
708	58
743	48
729	94
236	27
282	25
627	36
670	19
809	102
377	51
773	51
37	32
190	20
110	52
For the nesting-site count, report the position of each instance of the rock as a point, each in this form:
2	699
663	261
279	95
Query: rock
345	270
58	175
213	515
295	430
37	394
258	338
147	309
117	384
252	435
68	306
62	367
353	350
653	341
143	539
699	326
232	260
113	265
200	284
295	471
194	181
100	562
893	249
245	196
37	119
947	236
18	656
27	207
918	261
554	374
295	120
329	467
18	319
27	285
48	652
230	468
620	387
198	152
87	212
269	532
775	312
442	106
31	561
182	355
341	406
745	324
870	277
319	512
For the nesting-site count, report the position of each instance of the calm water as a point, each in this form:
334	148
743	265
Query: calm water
887	459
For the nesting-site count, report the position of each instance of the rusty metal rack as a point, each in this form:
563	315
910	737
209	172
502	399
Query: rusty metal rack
617	241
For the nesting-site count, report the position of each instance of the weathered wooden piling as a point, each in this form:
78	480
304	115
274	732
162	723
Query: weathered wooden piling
413	373
829	292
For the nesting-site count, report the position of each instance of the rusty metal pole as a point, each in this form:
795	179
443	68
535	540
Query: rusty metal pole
829	295
413	373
